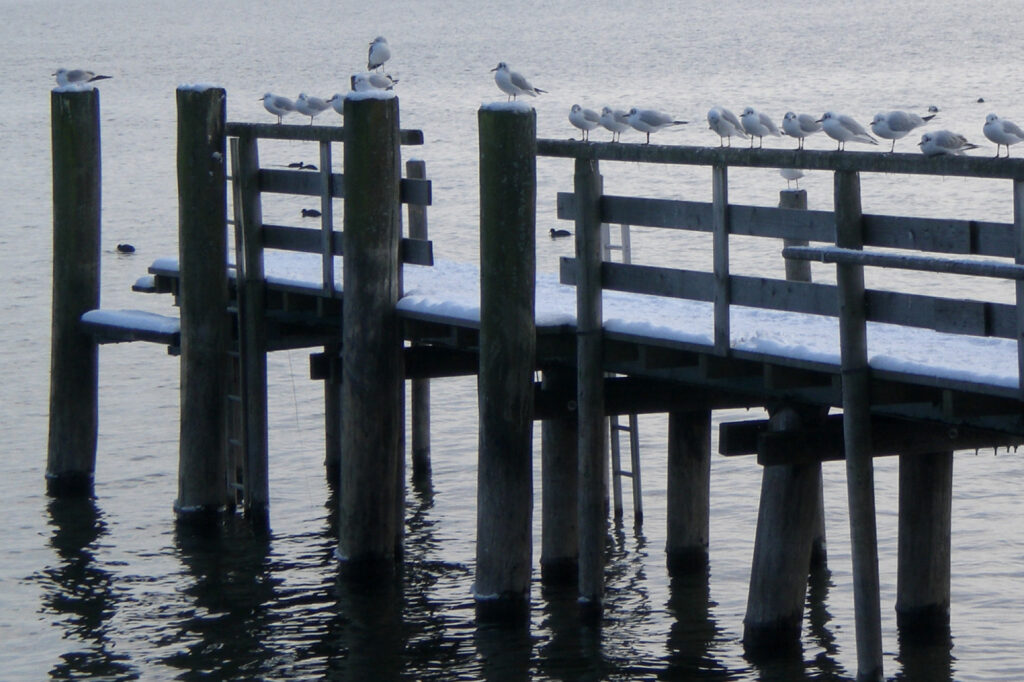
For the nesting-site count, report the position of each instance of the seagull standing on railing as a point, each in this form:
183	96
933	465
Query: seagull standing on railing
800	126
944	143
310	106
513	83
725	123
758	125
379	53
843	129
584	119
651	121
895	125
278	105
1002	132
615	121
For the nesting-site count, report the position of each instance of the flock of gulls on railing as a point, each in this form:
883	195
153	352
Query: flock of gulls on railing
891	125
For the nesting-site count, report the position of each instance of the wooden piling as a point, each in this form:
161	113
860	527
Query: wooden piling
923	573
592	500
420	388
796	270
205	331
688	489
856	398
371	520
786	525
508	196
332	416
74	358
559	558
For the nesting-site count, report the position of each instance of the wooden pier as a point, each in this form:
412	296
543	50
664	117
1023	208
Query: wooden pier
369	342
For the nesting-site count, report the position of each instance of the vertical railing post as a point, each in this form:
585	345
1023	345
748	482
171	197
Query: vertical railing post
592	497
205	331
74	357
252	332
371	520
326	220
508	202
420	390
720	230
688	491
1018	230
857	429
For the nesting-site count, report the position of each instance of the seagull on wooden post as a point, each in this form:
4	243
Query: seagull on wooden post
379	53
513	83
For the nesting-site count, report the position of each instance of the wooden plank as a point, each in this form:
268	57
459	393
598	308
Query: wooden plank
275	131
307	240
845	161
303	183
720	231
973	268
326	221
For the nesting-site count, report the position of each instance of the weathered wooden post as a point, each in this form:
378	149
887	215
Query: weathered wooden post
420	389
688	490
74	358
923	572
508	198
559	473
371	521
205	331
332	415
786	524
593	528
720	236
856	392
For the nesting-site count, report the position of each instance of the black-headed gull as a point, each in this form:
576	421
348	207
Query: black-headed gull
584	119
307	105
944	143
800	126
758	125
726	124
614	120
76	76
513	83
379	53
843	129
651	121
1002	132
895	125
278	105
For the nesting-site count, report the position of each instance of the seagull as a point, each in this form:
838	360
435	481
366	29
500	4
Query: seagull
337	102
944	143
615	120
895	125
362	82
843	128
1002	132
791	174
513	83
278	105
75	76
310	106
725	123
799	126
584	119
757	125
379	53
651	121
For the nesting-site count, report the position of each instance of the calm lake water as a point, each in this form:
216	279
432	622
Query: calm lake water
108	588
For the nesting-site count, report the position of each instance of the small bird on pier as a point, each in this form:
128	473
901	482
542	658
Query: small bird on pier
726	124
363	82
791	175
337	102
278	105
651	121
944	143
1002	132
76	76
844	129
310	106
615	121
895	125
513	83
800	126
379	53
758	125
584	119
556	234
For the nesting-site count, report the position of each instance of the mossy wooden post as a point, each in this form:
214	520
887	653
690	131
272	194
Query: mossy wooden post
688	491
923	572
371	523
592	500
205	331
560	527
74	358
856	392
508	199
786	525
420	388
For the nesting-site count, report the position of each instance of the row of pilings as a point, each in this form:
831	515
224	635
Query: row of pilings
790	535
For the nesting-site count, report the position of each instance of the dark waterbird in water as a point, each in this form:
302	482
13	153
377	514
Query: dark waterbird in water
125	248
555	234
310	213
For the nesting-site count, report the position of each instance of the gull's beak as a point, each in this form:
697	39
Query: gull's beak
494	69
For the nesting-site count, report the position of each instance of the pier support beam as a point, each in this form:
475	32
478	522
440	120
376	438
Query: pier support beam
860	477
373	391
74	358
559	558
420	388
205	330
688	490
787	524
508	197
923	573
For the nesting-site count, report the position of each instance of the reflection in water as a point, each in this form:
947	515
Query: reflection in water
80	594
231	590
928	658
693	633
